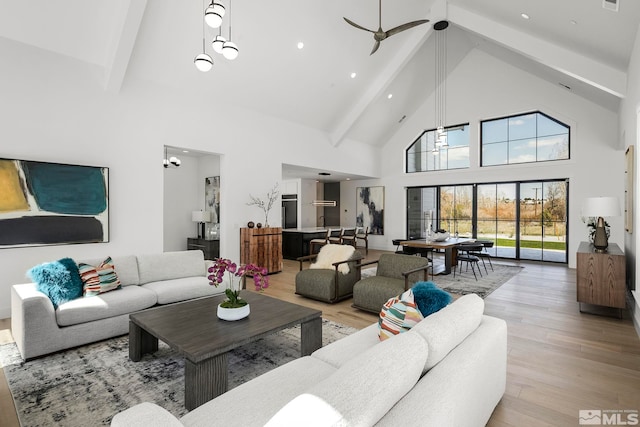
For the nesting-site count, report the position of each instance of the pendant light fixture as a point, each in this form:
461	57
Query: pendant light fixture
218	42
203	61
214	13
229	48
441	82
170	161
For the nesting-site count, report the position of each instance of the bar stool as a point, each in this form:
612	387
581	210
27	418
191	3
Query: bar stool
320	242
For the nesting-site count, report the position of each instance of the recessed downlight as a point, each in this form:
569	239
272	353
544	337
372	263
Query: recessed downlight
525	16
300	45
353	75
390	96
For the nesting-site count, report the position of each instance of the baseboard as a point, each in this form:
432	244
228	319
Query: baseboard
5	312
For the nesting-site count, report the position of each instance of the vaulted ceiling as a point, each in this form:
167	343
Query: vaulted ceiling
576	43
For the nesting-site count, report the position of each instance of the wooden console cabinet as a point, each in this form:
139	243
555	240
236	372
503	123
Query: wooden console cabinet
262	246
601	276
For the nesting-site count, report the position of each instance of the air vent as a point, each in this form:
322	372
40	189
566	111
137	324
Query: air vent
611	4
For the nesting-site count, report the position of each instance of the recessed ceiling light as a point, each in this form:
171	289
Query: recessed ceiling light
390	96
573	22
525	16
348	179
185	151
353	75
300	45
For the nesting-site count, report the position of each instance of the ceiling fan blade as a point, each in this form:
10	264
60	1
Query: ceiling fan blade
375	47
406	26
356	25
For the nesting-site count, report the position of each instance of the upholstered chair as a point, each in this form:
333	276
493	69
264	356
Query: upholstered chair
332	276
395	274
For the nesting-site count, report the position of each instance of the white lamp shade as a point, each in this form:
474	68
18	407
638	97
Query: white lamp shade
203	62
201	216
217	44
213	15
230	50
601	206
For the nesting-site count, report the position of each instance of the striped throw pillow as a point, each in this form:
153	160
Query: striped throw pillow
98	279
398	315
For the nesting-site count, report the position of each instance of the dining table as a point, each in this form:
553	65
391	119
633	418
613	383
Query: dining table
448	245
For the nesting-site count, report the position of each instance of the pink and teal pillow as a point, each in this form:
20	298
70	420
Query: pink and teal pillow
398	315
59	280
430	298
99	279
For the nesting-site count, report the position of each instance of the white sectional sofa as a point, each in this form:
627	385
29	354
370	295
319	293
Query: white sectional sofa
448	370
147	280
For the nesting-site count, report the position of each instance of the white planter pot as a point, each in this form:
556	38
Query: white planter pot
233	313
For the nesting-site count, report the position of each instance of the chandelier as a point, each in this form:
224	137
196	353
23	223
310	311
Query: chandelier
213	17
440	84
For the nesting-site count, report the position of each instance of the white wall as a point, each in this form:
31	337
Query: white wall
630	135
483	87
58	111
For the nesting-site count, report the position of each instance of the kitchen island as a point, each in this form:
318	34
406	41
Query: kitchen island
295	241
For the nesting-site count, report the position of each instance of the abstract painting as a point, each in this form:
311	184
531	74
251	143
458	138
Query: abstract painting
51	203
370	209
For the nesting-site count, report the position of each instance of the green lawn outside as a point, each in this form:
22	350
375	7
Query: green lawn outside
532	244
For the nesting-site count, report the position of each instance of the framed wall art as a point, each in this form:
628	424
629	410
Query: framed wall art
370	209
52	203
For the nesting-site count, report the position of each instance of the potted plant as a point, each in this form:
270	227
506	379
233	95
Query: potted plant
234	307
267	204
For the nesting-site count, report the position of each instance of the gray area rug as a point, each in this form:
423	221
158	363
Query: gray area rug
88	385
465	283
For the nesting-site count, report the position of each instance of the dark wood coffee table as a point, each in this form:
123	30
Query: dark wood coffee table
194	330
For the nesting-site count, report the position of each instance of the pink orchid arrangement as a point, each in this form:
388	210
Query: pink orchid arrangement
236	276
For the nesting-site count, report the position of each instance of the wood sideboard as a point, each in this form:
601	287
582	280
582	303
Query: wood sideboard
262	247
601	276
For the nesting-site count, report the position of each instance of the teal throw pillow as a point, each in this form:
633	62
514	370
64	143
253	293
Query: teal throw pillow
430	298
59	280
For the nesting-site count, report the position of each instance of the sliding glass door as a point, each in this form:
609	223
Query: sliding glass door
525	220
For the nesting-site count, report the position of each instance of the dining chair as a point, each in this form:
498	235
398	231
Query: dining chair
466	254
487	244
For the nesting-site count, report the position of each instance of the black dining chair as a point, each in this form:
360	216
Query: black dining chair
486	245
466	253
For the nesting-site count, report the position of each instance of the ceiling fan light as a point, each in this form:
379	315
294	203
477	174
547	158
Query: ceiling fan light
213	14
217	44
230	50
203	62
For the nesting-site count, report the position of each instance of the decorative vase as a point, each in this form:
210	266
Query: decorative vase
232	314
250	224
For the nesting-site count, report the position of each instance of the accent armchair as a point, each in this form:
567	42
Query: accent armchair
395	274
332	283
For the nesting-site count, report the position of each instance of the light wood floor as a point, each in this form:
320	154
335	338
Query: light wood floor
559	360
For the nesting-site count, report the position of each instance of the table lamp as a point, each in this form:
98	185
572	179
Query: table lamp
600	207
200	217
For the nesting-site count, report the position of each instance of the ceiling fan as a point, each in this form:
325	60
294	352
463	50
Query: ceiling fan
381	35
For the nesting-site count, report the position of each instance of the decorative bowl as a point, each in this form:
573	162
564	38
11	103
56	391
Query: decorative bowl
440	236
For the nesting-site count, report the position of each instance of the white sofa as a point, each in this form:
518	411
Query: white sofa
147	280
448	370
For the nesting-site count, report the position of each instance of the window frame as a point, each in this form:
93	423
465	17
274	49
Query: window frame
465	126
508	141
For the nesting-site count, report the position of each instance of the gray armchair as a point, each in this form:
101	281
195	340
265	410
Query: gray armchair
395	274
328	285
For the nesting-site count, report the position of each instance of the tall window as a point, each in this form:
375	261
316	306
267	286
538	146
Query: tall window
525	138
427	154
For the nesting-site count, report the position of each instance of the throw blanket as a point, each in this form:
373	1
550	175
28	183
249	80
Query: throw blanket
334	253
